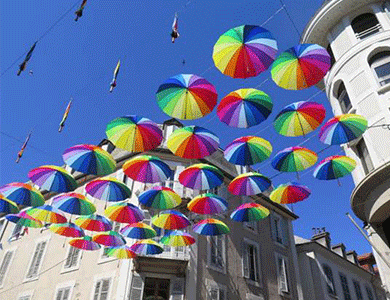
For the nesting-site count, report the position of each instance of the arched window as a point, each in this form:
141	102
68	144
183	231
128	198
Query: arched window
343	98
365	25
329	280
364	156
380	64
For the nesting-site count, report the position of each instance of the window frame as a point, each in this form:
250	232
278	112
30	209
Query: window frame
286	273
357	287
66	269
341	95
366	164
247	242
345	286
224	256
251	226
378	60
369	292
24	294
363	34
13	251
210	284
37	242
101	277
64	285
329	288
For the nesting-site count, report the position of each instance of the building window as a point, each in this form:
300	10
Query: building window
370	294
5	265
365	25
136	288
364	156
386	8
282	273
102	287
215	291
329	280
250	260
279	229
63	293
72	260
358	290
380	64
16	232
36	260
344	285
156	288
216	252
343	98
250	225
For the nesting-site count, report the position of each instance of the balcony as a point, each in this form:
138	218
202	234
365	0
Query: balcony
370	31
154	264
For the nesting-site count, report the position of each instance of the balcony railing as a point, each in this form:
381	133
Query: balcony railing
366	33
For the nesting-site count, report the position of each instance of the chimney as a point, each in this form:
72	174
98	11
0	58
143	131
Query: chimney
322	238
339	249
367	262
352	256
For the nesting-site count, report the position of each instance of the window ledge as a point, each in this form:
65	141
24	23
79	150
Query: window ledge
67	270
223	271
30	279
251	282
105	260
384	89
280	245
285	294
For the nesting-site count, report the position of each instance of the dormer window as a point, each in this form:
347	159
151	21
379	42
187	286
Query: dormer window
365	25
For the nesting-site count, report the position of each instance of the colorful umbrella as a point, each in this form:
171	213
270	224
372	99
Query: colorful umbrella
108	189
138	231
74	203
334	167
177	238
193	142
94	223
249	212
52	178
67	229
299	118
207	204
84	243
244	108
211	227
23	219
186	97
342	129
89	159
147	247
147	168
247	184
159	197
170	219
244	51
22	194
109	239
248	150
121	252
294	159
7	206
300	67
134	134
289	193
47	214
124	213
201	177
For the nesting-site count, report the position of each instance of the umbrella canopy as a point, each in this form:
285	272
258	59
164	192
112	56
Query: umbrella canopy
7	206
47	214
147	169
294	159
300	67
211	227
244	108
23	219
74	203
334	167
342	129
134	134
121	252
53	179
22	194
170	219
160	197
67	229
138	231
201	177
193	142
207	204
177	238
89	159
249	212
108	189
84	243
124	213
147	247
247	184
94	223
248	150
109	239
289	193
244	51
299	118
186	97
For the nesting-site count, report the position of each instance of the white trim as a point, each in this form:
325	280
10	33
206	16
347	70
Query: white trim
71	284
13	250
259	281
104	259
224	258
37	241
288	278
110	276
212	284
73	268
29	293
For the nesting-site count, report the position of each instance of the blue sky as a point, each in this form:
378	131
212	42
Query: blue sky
77	59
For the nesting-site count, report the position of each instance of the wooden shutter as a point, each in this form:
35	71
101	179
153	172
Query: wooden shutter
245	260
4	265
177	287
136	289
37	259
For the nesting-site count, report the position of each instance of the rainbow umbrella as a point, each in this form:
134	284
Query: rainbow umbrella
53	178
67	229
342	129
201	177
47	214
138	231
249	212
94	223
121	252
211	227
109	239
334	167
244	108
207	204
186	97
134	134
89	159
177	238
108	189
248	150
299	118
23	219
124	213
289	193
193	142
170	219
159	197
7	206
300	67
74	203
244	51
146	247
147	168
22	194
84	243
247	184
294	159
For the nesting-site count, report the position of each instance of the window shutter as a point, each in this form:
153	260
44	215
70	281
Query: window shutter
37	258
177	289
66	294
284	233
136	288
97	290
4	265
214	293
59	295
177	186
256	258
72	258
283	285
104	290
245	260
